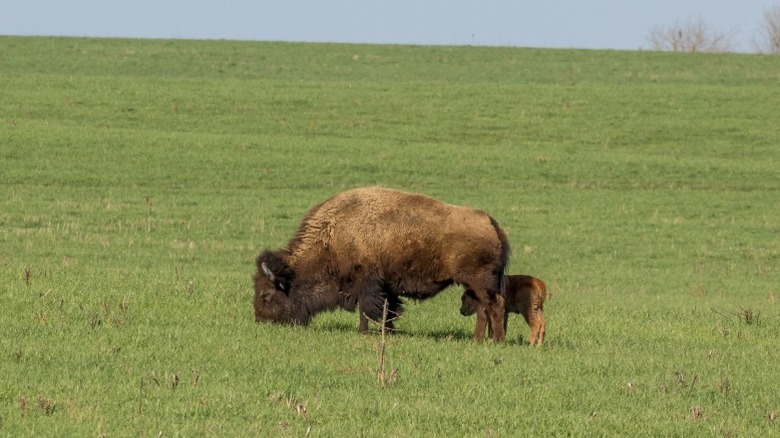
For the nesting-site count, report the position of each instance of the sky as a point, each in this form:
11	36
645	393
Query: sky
588	24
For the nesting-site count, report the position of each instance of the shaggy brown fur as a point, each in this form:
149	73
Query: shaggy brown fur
524	295
366	245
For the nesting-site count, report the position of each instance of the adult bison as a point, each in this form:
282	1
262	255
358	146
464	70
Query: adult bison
366	245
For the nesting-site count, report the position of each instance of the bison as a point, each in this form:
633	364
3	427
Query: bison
367	245
524	295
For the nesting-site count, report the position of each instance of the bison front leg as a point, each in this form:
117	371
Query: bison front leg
363	326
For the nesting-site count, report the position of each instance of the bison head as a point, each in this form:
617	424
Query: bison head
273	282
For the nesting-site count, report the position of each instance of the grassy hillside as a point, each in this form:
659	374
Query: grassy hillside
140	178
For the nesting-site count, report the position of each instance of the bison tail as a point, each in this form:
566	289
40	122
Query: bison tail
505	252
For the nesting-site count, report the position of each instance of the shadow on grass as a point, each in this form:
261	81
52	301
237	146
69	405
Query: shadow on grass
336	327
454	335
448	335
457	335
347	323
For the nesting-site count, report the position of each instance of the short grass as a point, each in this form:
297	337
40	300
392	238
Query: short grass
139	179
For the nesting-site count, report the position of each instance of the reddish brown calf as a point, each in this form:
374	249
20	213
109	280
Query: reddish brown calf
524	295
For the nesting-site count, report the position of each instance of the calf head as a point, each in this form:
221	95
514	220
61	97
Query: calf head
469	303
273	282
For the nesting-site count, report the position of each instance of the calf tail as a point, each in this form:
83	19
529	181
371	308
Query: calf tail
540	288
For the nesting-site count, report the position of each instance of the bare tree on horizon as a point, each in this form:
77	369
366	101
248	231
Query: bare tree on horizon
769	31
689	36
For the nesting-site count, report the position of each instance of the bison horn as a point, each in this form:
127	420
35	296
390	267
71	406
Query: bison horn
267	272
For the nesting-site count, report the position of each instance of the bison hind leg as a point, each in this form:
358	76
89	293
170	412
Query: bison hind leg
395	308
372	297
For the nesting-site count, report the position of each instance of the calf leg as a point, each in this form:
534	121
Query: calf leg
536	323
490	326
496	315
494	312
482	321
542	329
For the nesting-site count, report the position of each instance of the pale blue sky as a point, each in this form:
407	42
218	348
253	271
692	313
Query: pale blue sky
593	24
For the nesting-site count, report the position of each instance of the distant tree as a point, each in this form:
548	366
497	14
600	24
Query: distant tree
769	30
689	36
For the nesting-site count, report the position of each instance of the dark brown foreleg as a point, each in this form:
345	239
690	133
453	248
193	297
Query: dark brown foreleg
363	327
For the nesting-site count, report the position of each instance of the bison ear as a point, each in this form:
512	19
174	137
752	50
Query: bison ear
266	296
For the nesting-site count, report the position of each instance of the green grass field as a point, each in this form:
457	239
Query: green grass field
139	179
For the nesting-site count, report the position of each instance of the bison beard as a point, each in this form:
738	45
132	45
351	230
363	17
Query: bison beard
364	246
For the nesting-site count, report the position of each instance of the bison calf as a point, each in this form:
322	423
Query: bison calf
524	295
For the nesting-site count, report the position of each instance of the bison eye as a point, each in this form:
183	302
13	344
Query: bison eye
281	286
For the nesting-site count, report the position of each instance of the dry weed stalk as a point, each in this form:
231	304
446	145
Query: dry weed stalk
381	374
